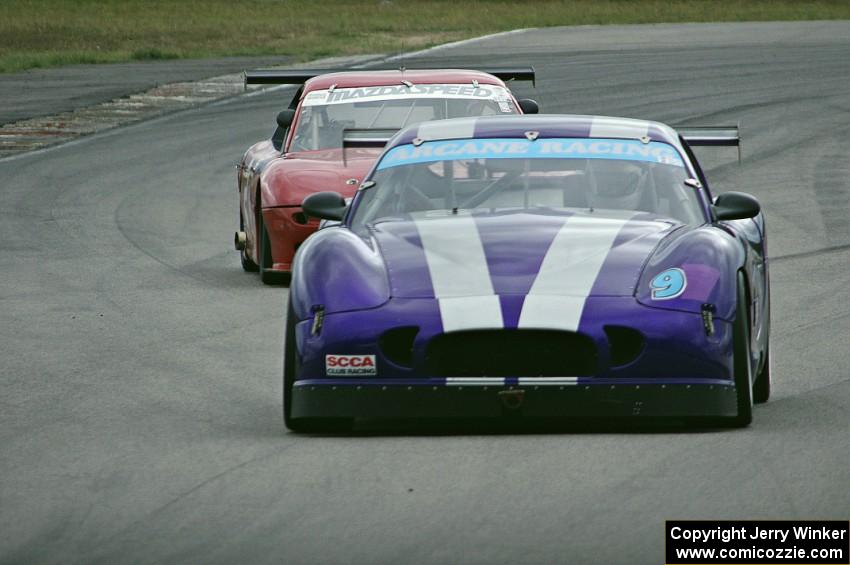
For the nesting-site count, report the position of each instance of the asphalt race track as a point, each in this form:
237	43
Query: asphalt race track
140	367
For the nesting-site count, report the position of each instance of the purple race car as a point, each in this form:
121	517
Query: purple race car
548	266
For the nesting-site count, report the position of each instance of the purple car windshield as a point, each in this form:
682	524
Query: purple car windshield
511	173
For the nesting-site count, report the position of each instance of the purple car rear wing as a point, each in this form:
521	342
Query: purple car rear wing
712	136
365	137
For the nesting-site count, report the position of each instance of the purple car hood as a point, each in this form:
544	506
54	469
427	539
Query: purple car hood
542	252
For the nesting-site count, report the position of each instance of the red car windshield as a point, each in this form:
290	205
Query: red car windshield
320	124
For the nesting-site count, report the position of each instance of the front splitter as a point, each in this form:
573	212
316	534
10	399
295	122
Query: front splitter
568	397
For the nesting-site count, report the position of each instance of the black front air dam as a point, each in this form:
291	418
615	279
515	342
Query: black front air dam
314	400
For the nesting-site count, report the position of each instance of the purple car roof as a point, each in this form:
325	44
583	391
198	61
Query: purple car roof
545	125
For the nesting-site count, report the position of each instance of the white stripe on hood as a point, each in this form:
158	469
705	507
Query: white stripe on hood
570	267
459	273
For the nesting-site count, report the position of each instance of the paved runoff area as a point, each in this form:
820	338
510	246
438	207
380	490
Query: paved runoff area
140	367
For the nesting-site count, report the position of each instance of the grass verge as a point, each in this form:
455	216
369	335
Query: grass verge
49	33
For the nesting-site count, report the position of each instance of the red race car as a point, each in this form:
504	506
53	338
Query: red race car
331	135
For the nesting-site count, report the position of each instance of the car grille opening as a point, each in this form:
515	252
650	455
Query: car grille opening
624	344
511	353
397	345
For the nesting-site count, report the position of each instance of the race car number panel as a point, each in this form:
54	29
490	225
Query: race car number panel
668	284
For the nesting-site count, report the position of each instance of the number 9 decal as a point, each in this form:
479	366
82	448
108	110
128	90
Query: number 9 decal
668	284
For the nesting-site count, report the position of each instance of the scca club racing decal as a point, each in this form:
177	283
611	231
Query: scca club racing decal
350	365
668	284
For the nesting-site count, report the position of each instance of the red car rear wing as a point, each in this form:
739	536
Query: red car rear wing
300	76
